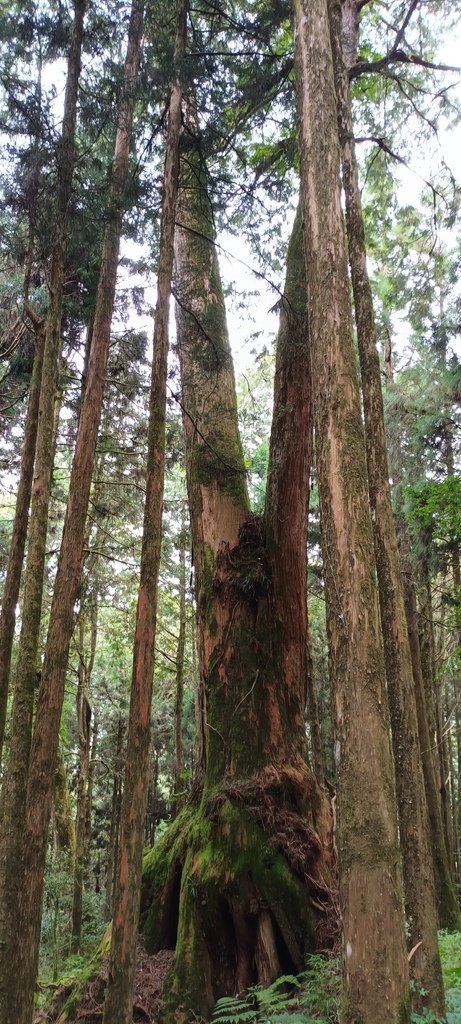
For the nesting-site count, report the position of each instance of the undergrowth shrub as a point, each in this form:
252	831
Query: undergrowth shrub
312	997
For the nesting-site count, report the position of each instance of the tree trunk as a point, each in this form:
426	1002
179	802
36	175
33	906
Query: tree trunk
116	806
314	722
85	669
179	694
426	647
44	748
62	812
375	961
230	884
118	1006
290	456
19	534
449	916
12	842
420	902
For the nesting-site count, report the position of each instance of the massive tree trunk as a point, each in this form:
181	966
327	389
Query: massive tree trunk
21	518
230	884
118	1006
12	845
375	960
420	902
44	747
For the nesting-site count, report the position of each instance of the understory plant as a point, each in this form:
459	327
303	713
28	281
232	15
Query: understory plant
312	997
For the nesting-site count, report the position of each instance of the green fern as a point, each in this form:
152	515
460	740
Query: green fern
309	998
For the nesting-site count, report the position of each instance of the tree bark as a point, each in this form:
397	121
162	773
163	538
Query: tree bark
116	806
375	961
19	534
179	694
12	842
118	1006
420	902
84	714
290	456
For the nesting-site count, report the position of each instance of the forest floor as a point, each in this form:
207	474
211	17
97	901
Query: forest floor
151	972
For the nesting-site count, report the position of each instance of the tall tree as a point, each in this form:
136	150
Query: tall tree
45	740
118	1006
420	902
228	889
367	829
15	787
19	533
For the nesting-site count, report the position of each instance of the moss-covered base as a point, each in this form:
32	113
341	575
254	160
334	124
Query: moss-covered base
230	888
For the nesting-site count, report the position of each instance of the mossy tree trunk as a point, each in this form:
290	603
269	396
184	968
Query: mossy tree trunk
420	901
375	960
19	533
230	885
118	1005
13	968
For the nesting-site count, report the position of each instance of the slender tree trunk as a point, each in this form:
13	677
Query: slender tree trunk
449	916
179	695
375	961
12	987
290	456
420	902
111	867
458	788
62	812
426	647
44	748
445	775
118	1006
85	669
21	517
314	722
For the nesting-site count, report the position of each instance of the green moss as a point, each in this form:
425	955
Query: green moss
230	862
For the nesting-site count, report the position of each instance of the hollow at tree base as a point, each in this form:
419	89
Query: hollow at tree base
238	888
